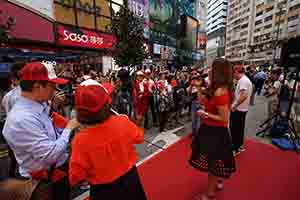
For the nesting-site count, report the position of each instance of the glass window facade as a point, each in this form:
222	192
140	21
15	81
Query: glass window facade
91	14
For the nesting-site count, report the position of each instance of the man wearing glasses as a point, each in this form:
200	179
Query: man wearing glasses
31	133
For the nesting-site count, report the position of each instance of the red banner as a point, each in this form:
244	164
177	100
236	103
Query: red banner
202	40
84	38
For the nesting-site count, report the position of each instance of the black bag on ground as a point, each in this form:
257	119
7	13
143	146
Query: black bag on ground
279	128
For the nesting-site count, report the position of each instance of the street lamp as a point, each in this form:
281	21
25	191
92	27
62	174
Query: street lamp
282	10
218	46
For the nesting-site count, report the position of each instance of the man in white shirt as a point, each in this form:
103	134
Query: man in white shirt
12	96
239	108
37	142
7	103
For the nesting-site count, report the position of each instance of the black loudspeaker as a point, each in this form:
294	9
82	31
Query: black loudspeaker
290	53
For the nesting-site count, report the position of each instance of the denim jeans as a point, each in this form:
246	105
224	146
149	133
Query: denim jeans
195	118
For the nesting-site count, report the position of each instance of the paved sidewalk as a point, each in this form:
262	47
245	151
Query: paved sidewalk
257	114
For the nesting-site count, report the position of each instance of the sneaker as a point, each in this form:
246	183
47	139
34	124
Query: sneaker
163	131
204	197
219	185
208	197
242	149
236	153
85	186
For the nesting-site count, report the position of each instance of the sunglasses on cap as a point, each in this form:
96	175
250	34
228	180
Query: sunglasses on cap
196	77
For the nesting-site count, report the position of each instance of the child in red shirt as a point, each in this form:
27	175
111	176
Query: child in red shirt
103	152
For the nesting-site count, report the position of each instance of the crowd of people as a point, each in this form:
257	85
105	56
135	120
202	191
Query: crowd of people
149	97
76	126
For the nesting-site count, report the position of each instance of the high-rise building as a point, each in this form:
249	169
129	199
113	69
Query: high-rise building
216	26
274	22
239	29
201	12
216	15
201	15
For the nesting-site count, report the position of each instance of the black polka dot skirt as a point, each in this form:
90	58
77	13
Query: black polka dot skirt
211	151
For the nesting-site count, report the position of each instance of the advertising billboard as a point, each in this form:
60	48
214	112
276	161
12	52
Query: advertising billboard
141	9
202	40
78	37
5	67
191	33
156	48
44	7
163	16
166	52
187	7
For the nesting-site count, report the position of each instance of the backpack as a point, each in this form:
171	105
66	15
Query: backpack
124	102
284	92
163	103
279	128
179	91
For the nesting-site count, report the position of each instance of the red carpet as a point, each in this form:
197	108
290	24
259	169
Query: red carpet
263	173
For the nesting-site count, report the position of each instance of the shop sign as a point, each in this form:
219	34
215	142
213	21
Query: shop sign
5	67
185	53
82	6
162	38
156	48
166	52
84	38
196	56
53	63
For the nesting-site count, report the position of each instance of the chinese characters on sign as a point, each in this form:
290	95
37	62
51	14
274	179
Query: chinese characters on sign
84	38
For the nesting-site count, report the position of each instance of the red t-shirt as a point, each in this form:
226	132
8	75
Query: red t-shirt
103	153
211	107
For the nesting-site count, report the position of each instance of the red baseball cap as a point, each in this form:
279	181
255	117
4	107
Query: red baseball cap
140	73
160	85
92	96
147	71
108	87
239	68
38	71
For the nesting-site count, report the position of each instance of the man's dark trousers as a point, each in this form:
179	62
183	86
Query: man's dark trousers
259	85
237	128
